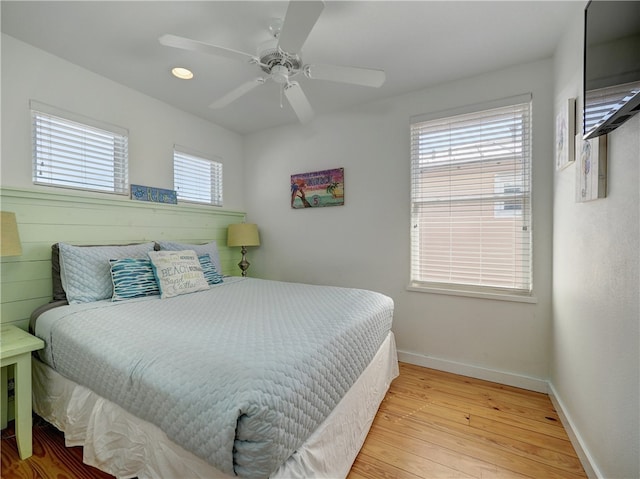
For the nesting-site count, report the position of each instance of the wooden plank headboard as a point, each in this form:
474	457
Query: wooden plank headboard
45	218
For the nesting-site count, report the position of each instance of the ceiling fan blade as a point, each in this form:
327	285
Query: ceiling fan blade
298	22
298	101
196	46
237	93
356	76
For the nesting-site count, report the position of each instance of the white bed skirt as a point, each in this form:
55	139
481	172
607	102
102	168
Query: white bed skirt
125	446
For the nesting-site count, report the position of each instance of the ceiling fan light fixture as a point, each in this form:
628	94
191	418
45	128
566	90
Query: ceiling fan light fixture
280	74
182	73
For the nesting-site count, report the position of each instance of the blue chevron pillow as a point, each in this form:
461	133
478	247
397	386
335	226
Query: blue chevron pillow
132	278
209	270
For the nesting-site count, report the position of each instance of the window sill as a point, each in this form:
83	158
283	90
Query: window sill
474	294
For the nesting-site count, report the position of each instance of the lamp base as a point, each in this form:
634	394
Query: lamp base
244	264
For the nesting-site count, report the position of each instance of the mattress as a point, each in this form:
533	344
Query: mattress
120	444
240	375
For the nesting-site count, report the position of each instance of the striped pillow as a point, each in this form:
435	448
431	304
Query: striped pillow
209	269
132	278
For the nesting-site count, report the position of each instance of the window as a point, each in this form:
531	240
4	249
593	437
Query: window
471	200
75	152
196	178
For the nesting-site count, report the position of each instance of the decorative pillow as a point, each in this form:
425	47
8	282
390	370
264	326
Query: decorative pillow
209	270
85	272
132	278
177	272
210	248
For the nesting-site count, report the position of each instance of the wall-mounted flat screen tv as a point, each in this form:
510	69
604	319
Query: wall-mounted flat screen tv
611	65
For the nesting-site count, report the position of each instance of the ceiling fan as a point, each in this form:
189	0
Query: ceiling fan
279	58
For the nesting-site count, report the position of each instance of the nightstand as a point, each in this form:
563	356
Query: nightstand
16	346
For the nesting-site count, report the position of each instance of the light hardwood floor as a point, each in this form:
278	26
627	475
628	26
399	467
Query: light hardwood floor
430	425
434	424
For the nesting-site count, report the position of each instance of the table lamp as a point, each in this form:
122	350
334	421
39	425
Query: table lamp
243	234
9	238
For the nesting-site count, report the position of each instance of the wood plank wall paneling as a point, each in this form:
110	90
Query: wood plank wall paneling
48	217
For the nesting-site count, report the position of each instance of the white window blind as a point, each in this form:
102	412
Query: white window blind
73	154
471	201
197	179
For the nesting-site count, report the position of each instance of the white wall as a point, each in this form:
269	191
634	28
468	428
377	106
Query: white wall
595	371
154	127
365	243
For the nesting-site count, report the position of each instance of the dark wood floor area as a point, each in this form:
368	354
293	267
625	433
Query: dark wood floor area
431	425
50	460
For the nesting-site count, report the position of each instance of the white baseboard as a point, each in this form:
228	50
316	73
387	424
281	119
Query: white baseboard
502	377
576	440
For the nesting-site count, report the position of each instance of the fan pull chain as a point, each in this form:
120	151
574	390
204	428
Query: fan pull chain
281	93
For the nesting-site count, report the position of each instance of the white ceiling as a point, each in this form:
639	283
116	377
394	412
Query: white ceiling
417	43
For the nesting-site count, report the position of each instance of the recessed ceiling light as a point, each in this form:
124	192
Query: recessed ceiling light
182	73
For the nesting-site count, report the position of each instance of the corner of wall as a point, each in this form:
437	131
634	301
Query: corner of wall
585	457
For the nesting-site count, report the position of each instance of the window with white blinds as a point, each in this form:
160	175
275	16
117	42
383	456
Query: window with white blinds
197	179
74	154
471	200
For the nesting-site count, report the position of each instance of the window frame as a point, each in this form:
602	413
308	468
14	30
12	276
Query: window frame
461	288
59	136
216	183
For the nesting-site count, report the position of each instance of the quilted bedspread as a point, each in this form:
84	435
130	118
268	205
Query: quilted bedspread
240	374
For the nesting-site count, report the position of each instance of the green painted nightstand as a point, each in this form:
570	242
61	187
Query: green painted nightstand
16	346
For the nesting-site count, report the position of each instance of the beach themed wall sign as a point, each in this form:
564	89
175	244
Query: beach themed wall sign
317	188
154	195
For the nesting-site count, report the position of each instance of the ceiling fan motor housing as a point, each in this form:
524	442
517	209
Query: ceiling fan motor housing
271	56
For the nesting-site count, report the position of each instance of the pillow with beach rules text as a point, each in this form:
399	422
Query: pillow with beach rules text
177	272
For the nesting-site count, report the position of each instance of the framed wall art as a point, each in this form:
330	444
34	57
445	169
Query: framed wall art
564	133
317	188
591	181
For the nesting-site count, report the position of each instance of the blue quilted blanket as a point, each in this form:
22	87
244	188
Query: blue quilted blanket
240	375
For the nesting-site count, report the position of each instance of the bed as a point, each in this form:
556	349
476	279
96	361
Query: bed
207	376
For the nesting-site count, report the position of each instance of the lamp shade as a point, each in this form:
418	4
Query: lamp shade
243	234
9	238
